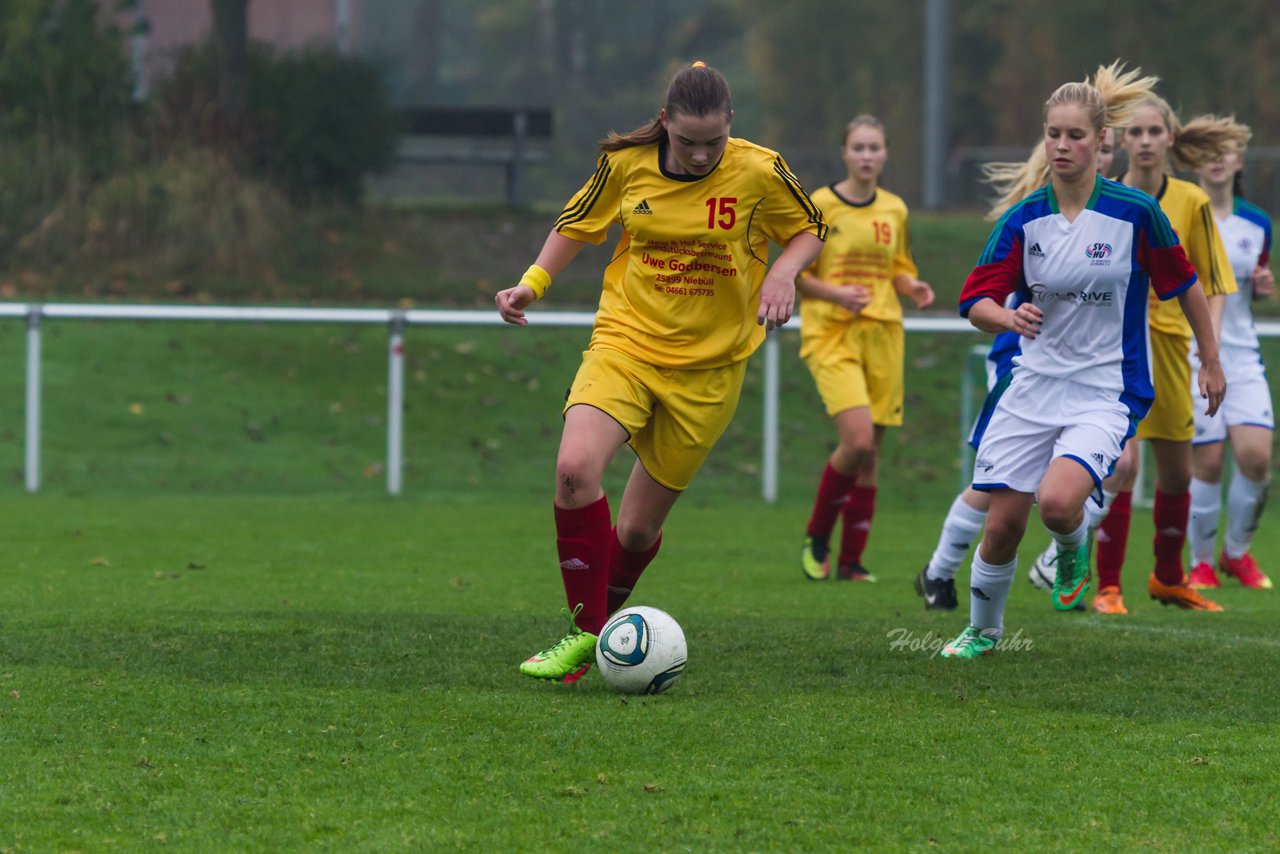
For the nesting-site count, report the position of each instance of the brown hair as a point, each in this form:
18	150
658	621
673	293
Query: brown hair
863	120
1202	139
698	90
1110	98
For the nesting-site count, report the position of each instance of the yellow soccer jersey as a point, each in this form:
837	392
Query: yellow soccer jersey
1191	216
867	245
683	288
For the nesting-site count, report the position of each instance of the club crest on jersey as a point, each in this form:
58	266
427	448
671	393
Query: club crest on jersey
643	208
1099	254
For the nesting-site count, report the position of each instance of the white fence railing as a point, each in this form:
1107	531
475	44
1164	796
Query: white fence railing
396	321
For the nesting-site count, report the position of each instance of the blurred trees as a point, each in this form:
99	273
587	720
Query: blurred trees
801	69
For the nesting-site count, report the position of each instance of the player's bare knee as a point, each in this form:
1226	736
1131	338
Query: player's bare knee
1255	465
577	481
637	535
1125	473
1060	514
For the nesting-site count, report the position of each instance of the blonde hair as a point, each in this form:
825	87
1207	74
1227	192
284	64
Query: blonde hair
1200	140
1110	99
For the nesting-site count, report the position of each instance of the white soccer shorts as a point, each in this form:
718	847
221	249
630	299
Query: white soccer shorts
1039	419
1248	400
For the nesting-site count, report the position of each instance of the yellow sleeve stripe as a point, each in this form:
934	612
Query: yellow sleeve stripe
793	184
577	210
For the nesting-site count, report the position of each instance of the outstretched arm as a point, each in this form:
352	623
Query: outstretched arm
1212	382
914	289
852	298
556	254
778	293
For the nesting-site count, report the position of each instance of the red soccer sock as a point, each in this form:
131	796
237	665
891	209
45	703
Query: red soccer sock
856	523
1113	539
582	540
1171	534
833	491
625	568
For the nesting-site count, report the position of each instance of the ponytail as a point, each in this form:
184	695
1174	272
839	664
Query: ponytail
698	90
1110	99
1206	138
1013	182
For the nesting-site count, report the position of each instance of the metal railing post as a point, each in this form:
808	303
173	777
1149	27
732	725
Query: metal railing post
769	465
395	403
32	461
515	175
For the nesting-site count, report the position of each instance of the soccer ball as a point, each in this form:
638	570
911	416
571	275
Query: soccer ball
641	651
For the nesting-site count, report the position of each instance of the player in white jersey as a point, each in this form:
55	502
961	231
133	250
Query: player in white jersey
1083	252
1246	416
935	583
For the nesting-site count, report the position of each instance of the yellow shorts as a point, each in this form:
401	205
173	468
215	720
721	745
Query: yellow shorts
858	364
1172	415
672	416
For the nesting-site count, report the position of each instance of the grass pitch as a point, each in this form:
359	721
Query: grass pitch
227	673
218	633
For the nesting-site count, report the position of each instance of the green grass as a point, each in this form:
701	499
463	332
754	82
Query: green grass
219	633
224	673
153	407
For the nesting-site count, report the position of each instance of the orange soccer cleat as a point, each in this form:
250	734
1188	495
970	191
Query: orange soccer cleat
1109	601
1183	595
1246	569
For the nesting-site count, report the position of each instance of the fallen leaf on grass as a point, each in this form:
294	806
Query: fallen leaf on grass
652	788
573	791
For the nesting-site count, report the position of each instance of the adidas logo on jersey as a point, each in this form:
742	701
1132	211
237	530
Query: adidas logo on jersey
1036	251
643	208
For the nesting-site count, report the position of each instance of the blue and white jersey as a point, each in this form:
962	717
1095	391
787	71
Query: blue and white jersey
1246	234
1090	278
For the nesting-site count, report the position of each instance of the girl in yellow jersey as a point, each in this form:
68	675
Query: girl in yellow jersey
852	342
687	298
1151	139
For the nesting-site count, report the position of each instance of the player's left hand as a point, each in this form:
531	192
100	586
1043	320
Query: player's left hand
1264	282
1213	384
921	294
777	301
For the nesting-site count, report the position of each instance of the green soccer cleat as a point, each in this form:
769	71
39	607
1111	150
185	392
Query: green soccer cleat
971	644
567	661
815	559
1072	579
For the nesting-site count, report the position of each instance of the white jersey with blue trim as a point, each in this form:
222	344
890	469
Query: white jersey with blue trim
1089	277
1246	234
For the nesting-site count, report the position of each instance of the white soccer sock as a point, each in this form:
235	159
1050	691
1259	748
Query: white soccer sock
1072	541
988	591
962	524
1202	527
1093	514
1245	500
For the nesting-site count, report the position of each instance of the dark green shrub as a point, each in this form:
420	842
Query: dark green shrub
317	123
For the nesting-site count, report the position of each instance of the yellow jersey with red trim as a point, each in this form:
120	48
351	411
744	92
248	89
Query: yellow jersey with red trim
868	244
1191	214
683	287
